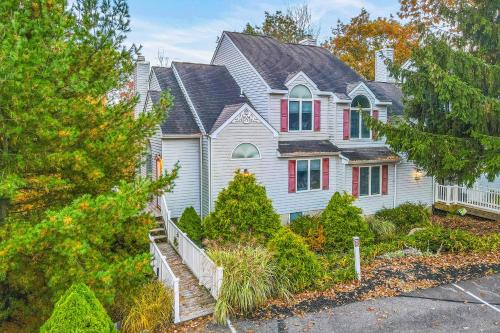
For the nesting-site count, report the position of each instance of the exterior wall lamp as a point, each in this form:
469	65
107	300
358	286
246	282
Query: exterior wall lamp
418	174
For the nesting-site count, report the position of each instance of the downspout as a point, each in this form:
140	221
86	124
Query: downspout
395	185
201	176
209	174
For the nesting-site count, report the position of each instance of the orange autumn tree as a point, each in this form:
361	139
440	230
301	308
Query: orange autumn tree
355	43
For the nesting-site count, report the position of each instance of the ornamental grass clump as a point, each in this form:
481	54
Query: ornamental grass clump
78	310
250	279
294	261
383	230
151	310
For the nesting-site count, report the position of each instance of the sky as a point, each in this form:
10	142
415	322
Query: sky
187	30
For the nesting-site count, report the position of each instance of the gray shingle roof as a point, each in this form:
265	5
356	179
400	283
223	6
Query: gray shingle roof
211	88
226	113
180	119
275	61
307	148
388	92
372	154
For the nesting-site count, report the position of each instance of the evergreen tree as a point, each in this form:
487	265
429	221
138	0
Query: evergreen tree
451	122
62	131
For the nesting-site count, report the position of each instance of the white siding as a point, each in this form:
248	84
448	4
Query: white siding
244	74
270	170
153	82
187	185
155	142
141	83
409	189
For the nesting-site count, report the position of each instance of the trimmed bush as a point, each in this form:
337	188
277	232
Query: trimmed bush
78	310
406	216
383	230
312	231
342	221
250	279
190	223
294	261
151	311
242	211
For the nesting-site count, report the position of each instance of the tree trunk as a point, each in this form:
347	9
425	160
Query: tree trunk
4	205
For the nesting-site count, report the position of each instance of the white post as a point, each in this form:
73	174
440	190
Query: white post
357	264
177	316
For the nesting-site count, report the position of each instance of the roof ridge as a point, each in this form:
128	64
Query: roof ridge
195	63
271	37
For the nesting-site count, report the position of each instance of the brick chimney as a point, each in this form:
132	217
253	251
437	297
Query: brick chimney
141	82
382	73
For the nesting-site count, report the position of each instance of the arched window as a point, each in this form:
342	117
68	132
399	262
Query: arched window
300	110
360	105
245	150
149	162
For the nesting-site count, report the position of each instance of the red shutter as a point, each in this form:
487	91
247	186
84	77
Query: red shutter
385	178
284	115
375	116
326	173
346	124
355	181
317	115
291	176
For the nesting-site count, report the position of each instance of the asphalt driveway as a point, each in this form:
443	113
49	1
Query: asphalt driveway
468	306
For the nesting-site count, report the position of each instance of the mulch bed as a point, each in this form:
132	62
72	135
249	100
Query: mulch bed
387	278
474	225
381	278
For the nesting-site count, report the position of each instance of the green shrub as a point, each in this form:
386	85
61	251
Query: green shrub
383	230
250	279
406	216
439	239
342	221
151	311
78	310
242	211
190	223
312	230
294	261
338	268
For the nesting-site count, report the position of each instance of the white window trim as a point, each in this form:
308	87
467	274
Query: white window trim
360	120
243	158
370	181
300	100
309	175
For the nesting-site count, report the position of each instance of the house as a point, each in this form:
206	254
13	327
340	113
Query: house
289	113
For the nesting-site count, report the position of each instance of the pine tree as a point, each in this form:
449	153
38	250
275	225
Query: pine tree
62	131
451	122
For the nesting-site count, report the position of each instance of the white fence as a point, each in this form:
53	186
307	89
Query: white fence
165	275
485	199
205	270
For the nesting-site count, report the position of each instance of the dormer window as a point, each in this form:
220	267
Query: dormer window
358	129
300	109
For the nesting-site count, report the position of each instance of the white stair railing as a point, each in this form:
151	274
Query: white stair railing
482	198
200	264
165	275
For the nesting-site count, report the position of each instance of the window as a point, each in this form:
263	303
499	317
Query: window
245	150
294	216
300	109
308	175
369	181
360	106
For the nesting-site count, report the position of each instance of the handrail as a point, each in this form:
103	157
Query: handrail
165	275
200	264
485	199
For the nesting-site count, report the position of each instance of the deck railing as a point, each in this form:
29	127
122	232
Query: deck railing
482	198
165	275
205	270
